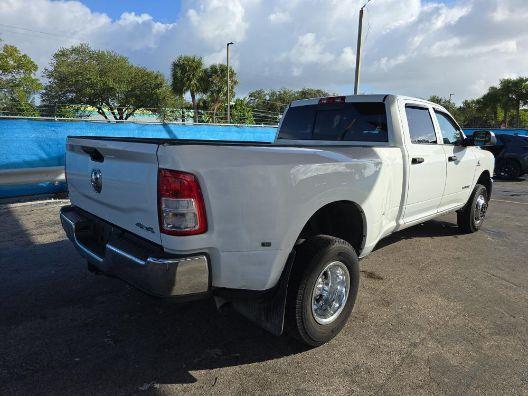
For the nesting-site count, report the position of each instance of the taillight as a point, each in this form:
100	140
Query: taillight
332	99
180	204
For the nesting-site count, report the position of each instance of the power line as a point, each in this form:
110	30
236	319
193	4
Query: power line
32	31
33	36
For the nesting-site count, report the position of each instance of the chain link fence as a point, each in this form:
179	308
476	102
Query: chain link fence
242	116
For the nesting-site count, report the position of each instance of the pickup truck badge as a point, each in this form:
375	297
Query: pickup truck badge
96	180
144	227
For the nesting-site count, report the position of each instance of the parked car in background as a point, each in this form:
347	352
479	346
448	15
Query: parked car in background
511	156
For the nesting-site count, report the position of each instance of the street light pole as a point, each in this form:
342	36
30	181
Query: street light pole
228	93
358	51
450	96
358	48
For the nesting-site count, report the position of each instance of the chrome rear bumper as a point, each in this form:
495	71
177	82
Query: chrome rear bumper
136	261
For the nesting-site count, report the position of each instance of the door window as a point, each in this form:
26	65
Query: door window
450	132
421	127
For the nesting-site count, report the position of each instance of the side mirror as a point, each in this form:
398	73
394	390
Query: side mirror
484	138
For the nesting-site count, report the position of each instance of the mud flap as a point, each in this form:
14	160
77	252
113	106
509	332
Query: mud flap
268	311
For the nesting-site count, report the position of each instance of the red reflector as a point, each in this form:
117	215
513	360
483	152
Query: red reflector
332	99
181	206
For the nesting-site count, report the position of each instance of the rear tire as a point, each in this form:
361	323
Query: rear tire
508	169
323	289
471	217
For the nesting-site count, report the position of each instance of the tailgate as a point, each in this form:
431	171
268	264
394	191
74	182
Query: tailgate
116	181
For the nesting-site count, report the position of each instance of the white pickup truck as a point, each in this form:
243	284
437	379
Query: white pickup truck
275	229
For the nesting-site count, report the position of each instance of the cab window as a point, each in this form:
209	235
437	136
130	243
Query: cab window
450	132
421	129
354	121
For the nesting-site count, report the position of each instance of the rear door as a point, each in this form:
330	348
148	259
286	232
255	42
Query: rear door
426	163
116	181
460	161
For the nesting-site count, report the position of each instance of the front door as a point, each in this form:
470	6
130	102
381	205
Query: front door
426	164
461	163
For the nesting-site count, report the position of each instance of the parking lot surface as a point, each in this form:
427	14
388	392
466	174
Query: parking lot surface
437	312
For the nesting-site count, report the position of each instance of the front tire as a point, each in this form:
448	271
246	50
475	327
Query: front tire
508	169
323	290
471	217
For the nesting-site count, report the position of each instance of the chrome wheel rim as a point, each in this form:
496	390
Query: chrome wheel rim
330	292
481	206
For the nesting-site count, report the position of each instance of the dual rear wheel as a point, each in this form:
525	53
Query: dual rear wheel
323	294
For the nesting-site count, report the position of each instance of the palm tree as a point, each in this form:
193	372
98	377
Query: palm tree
216	80
491	102
519	96
508	89
188	76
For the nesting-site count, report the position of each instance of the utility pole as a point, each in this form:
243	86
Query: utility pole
450	96
358	51
228	93
358	48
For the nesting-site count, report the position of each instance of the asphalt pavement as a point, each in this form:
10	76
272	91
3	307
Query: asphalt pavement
437	312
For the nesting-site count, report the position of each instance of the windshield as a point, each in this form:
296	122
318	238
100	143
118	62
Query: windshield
361	122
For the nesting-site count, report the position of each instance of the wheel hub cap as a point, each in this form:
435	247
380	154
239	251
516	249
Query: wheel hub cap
481	206
330	292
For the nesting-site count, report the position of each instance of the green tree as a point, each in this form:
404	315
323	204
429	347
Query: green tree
173	105
241	112
471	114
18	84
507	98
446	104
275	101
215	84
188	75
515	95
491	102
104	80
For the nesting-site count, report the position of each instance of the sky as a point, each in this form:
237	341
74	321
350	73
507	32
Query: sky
411	47
165	11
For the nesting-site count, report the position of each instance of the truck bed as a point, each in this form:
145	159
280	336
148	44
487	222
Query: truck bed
258	196
172	141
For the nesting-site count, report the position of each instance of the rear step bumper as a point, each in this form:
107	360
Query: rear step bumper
143	264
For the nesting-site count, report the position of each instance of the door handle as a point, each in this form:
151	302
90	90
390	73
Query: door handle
452	158
417	160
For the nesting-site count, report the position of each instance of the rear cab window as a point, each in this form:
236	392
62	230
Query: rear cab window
343	121
421	128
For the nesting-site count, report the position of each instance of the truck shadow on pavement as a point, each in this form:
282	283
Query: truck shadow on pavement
429	229
65	329
506	180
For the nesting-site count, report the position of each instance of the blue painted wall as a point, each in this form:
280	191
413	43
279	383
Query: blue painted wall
28	143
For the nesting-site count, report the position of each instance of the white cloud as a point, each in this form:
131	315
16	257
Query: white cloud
216	21
454	48
347	58
510	10
308	50
279	17
415	47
